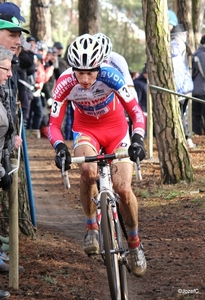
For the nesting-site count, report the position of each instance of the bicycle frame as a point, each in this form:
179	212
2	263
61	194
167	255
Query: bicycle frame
110	233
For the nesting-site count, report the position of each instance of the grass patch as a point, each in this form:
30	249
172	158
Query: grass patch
49	279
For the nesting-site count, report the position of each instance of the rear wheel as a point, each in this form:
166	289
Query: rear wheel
110	243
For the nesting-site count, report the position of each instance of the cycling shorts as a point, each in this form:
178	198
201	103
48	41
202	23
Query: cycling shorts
97	139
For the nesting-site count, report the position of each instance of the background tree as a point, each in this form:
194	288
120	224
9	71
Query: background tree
184	14
173	154
197	20
40	20
88	16
191	14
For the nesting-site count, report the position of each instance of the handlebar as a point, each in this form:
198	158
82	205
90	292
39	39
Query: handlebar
82	159
95	158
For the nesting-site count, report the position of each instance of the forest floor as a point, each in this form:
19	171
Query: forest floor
171	227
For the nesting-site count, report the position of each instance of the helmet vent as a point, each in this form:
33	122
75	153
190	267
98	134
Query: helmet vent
84	60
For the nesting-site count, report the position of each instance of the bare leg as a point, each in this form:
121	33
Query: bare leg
88	188
122	185
129	210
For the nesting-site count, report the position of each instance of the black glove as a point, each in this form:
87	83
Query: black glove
60	149
6	181
136	149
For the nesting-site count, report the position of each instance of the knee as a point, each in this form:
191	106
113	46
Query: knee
88	174
124	191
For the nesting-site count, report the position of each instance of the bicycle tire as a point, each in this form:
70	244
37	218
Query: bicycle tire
121	233
111	259
123	282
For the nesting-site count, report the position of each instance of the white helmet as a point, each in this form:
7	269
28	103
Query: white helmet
85	53
106	42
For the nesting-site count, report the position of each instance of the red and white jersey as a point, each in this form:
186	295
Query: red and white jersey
117	61
102	104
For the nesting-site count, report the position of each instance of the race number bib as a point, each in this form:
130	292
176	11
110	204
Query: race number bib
125	93
55	109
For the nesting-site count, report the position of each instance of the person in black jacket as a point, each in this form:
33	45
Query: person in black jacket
25	68
140	84
198	76
62	61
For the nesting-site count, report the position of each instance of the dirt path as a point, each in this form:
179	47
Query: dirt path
57	208
171	227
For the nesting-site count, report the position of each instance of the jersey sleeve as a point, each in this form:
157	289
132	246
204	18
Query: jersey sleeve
58	109
133	109
119	62
116	81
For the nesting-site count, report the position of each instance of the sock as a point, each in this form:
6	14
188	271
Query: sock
133	238
91	224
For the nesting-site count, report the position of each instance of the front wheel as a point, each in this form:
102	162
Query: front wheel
110	243
122	244
123	282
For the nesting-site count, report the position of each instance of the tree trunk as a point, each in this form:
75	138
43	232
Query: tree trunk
40	20
88	16
184	14
190	13
197	20
172	150
25	224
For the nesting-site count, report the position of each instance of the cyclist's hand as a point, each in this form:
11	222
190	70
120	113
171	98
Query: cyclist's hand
61	148
6	181
136	148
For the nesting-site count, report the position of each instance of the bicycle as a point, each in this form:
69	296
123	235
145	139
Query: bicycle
112	233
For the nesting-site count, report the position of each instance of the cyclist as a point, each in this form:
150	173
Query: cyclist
100	95
116	60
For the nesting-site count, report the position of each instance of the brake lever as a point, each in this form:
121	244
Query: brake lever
138	169
137	166
63	171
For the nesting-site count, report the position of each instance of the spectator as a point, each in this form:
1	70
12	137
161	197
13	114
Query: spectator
44	71
68	133
31	72
63	63
198	76
6	132
10	31
182	76
50	62
36	108
26	63
31	40
10	24
140	84
51	66
134	74
12	43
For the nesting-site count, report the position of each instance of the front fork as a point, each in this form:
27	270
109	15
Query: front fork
112	199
